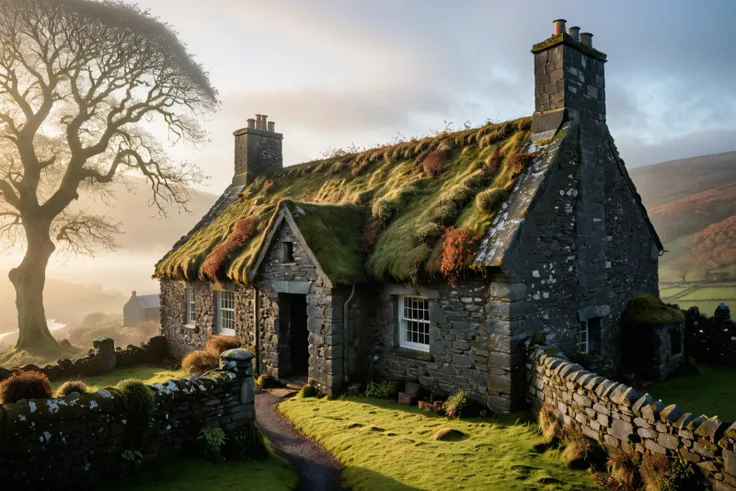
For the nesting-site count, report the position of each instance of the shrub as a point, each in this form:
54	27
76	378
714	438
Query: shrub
265	381
337	167
456	252
434	407
549	424
243	230
217	344
434	163
72	386
455	404
493	162
360	168
580	451
382	390
444	212
138	403
244	442
476	180
428	231
585	360
25	385
308	390
663	474
518	162
624	467
385	207
198	362
490	200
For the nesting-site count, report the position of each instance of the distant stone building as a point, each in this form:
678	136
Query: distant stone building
323	266
141	308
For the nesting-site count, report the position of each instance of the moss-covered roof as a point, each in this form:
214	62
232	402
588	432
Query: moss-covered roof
648	309
376	215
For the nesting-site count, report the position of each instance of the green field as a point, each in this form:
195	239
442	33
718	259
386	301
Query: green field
710	393
711	293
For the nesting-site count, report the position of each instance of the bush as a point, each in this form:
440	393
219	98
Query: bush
490	200
662	474
25	385
444	212
549	424
493	162
218	344
433	407
624	467
308	390
518	162
72	386
264	381
434	163
198	362
384	208
455	404
648	309
382	390
428	231
456	252
138	403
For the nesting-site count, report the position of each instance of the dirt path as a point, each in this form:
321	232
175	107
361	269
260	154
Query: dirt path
316	468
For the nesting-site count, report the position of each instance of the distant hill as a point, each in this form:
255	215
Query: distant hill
692	204
668	181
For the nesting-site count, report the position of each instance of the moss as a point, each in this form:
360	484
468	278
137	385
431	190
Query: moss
648	309
138	403
391	178
490	200
71	386
538	338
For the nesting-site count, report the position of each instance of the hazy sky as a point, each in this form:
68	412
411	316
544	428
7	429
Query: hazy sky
332	73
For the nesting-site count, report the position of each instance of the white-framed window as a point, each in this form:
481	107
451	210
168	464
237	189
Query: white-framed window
589	335
225	312
190	319
414	322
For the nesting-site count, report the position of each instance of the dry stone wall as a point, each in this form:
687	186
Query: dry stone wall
616	415
78	441
102	358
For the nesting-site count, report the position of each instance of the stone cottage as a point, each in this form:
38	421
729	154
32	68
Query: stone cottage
141	308
432	260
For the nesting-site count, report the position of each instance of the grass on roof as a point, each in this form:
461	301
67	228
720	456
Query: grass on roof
384	445
332	234
648	309
391	180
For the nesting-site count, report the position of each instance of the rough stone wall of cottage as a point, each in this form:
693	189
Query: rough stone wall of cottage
324	314
182	337
583	251
458	352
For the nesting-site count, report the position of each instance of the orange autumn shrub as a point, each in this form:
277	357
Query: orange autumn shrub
219	343
243	230
434	162
457	252
25	385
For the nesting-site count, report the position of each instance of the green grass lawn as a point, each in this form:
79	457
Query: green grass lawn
711	393
148	374
384	445
272	474
711	292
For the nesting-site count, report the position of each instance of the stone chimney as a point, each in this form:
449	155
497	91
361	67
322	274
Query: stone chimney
257	150
569	79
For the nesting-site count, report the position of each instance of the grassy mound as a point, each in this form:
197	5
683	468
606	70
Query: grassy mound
449	435
648	309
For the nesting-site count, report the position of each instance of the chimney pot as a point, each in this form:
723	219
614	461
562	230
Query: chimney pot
574	32
559	26
258	121
271	126
587	39
251	124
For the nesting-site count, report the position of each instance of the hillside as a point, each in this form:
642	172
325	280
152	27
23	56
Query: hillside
668	181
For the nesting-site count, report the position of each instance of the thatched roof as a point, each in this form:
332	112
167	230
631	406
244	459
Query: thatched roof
377	215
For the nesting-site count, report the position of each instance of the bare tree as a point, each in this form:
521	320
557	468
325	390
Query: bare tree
81	81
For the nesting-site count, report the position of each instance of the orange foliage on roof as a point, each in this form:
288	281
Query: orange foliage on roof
243	230
457	252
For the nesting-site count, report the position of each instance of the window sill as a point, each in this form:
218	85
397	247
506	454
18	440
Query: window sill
412	354
191	327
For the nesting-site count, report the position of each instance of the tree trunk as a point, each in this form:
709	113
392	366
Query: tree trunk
29	279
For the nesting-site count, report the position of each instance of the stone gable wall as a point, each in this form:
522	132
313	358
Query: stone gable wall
78	441
616	415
